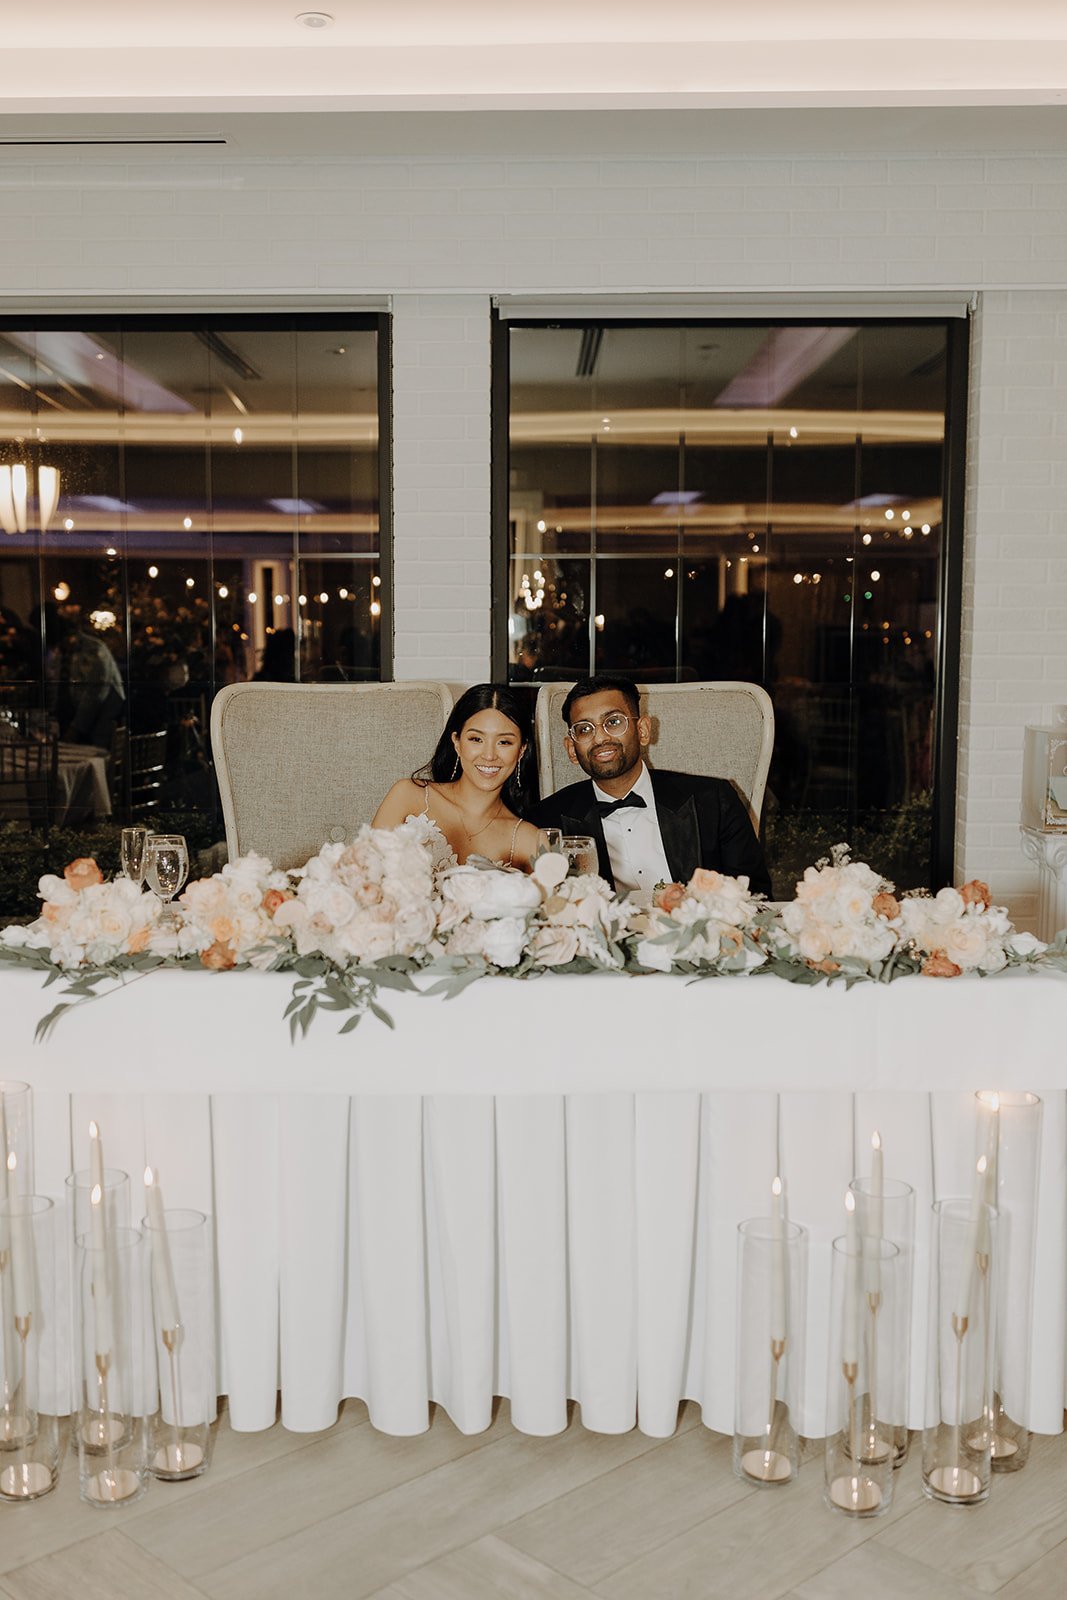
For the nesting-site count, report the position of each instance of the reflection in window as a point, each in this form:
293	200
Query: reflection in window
185	505
750	502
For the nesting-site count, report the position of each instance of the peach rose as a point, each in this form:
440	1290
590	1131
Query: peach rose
58	916
886	905
221	930
218	957
81	873
273	899
669	897
976	893
705	881
824	966
730	942
938	965
138	941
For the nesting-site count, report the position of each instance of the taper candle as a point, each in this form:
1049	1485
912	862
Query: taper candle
992	1146
96	1156
874	1220
972	1241
101	1286
166	1293
778	1295
850	1331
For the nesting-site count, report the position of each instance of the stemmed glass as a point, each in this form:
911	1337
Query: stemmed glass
580	850
134	841
166	867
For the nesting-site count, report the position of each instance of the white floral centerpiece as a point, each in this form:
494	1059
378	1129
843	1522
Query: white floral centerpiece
86	922
485	912
709	923
960	930
579	919
366	901
228	919
845	918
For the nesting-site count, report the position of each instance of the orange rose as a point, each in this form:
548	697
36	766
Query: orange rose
138	941
826	966
221	929
273	899
938	965
976	893
886	905
82	872
669	897
218	957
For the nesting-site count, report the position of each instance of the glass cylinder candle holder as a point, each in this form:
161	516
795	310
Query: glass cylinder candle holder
116	1215
1009	1136
771	1285
957	1459
16	1138
886	1210
114	1354
183	1322
863	1384
29	1350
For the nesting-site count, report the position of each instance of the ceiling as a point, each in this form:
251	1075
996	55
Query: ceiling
220	56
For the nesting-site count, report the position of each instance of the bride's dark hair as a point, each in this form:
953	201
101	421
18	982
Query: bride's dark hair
519	793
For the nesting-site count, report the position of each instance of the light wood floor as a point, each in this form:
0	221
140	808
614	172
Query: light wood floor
352	1513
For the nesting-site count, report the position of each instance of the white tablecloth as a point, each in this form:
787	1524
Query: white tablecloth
534	1189
83	788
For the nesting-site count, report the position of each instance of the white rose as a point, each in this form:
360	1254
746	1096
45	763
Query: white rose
815	942
1024	944
966	943
503	940
491	894
656	956
553	946
945	907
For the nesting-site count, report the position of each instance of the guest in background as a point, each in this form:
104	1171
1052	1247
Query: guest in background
98	697
279	658
649	827
478	785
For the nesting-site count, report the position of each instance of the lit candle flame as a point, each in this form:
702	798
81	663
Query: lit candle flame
96	1194
149	1177
876	1140
850	1201
776	1186
94	1131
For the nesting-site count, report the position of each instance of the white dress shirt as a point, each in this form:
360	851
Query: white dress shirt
634	842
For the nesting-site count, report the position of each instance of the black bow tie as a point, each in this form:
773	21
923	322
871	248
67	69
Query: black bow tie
606	807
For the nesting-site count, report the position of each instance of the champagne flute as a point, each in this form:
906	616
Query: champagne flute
580	850
166	863
134	841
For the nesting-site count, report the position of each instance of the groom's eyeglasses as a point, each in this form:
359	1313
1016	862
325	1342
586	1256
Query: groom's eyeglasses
613	723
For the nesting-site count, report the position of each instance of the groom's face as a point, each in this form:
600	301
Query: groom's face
603	754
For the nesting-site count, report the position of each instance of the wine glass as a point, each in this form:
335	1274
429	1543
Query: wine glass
134	841
166	867
549	841
580	850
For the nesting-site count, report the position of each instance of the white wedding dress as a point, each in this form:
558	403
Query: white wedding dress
443	854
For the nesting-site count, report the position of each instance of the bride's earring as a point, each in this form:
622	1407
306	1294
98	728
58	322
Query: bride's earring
455	770
518	767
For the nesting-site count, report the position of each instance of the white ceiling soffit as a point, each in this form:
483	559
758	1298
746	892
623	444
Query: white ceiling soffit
219	55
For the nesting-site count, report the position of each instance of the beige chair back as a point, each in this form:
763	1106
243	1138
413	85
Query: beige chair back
715	730
301	764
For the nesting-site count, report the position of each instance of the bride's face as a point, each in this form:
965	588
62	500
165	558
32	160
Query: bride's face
488	746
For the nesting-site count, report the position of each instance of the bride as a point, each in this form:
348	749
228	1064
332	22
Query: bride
478	783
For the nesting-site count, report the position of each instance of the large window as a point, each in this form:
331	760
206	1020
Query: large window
768	502
186	503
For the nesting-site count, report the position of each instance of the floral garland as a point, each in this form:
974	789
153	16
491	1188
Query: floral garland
372	913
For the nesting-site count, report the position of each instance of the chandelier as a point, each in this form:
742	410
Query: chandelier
15	497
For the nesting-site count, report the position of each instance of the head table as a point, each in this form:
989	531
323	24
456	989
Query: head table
533	1189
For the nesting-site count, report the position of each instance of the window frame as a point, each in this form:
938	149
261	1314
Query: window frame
950	561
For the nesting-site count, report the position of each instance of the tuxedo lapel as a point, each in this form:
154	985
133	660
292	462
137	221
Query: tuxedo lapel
678	826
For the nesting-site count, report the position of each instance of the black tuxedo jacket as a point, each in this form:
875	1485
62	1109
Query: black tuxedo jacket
703	823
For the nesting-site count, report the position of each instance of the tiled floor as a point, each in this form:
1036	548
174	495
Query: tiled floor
500	1516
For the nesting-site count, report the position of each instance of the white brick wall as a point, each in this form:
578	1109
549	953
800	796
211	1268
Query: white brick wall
442	236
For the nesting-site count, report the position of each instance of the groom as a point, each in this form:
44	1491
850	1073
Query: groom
649	827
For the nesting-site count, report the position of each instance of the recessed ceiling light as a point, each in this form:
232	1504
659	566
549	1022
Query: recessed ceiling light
314	19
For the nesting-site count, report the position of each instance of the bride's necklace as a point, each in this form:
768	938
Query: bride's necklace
463	820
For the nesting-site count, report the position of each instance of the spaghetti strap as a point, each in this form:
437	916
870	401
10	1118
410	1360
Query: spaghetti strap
426	803
514	836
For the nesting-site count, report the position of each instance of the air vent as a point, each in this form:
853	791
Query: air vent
65	142
225	352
